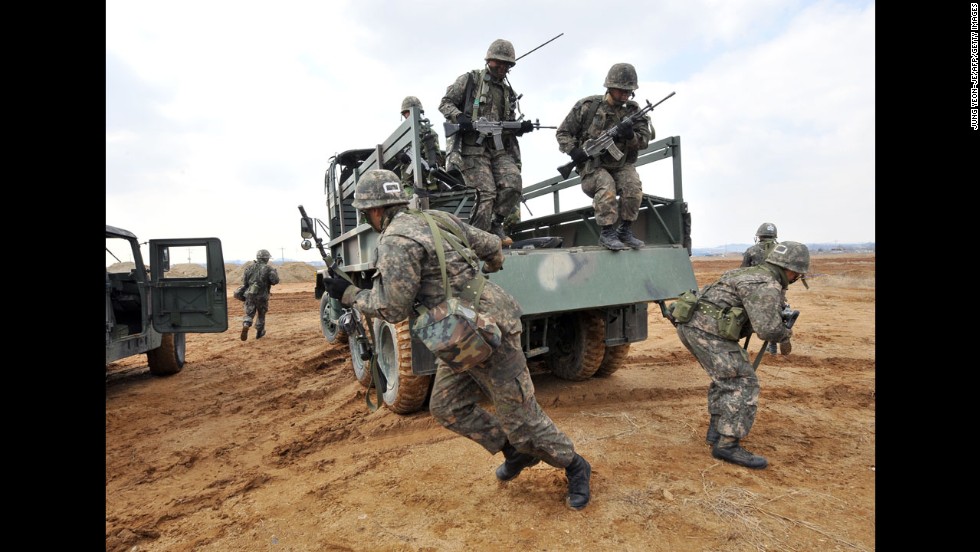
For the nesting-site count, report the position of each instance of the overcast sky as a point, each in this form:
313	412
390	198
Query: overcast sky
221	116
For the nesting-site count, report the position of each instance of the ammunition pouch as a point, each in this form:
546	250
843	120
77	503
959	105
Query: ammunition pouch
683	309
252	290
731	320
457	334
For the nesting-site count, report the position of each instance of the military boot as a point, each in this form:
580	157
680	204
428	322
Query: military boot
713	435
514	463
497	229
625	235
609	239
245	331
259	333
729	450
579	474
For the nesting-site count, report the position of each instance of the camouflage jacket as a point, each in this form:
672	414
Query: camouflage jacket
756	254
760	290
575	130
406	170
408	272
497	102
262	275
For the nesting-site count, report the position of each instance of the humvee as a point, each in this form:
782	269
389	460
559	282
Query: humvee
148	309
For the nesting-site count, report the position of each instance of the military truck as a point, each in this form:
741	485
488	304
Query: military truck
150	309
583	305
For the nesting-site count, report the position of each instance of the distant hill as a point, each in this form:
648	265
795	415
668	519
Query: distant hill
739	248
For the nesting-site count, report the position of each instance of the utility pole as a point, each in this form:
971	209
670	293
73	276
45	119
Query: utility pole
282	255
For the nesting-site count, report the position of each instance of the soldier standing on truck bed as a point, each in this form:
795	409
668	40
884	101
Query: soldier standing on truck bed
743	301
604	177
258	280
494	173
409	274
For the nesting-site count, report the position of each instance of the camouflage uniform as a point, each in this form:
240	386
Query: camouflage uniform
263	277
496	174
408	272
606	178
733	394
758	252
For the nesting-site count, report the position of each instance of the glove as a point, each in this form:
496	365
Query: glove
493	264
578	155
625	130
464	122
526	126
786	347
336	287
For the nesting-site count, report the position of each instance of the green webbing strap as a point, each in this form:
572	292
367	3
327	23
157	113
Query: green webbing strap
458	241
437	239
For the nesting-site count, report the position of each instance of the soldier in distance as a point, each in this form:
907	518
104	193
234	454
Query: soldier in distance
258	279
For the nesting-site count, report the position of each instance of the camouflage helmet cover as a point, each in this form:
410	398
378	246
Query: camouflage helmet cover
412	101
791	255
622	76
501	50
263	255
766	230
378	188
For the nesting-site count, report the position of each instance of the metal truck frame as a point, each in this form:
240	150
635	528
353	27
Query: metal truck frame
147	310
583	305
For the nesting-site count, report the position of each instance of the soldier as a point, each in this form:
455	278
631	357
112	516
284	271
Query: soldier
765	240
495	174
409	273
743	301
604	177
426	134
258	279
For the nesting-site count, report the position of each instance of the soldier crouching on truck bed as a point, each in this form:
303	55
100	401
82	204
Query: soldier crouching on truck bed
410	274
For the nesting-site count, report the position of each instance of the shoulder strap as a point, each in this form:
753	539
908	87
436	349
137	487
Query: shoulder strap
457	240
593	109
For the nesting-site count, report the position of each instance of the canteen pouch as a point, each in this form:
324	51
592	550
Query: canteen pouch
457	334
683	309
730	323
252	290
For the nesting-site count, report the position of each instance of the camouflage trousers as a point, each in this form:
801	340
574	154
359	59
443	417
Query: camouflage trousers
256	305
609	183
733	394
496	175
517	417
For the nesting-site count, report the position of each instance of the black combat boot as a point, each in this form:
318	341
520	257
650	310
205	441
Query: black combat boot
579	473
245	331
609	239
259	333
772	347
729	450
514	463
625	235
713	435
497	229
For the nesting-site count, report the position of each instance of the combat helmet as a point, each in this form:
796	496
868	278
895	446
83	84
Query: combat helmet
379	188
501	50
263	255
411	101
622	76
790	255
767	230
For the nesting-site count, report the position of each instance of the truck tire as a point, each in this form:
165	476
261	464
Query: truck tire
577	343
403	392
614	358
362	368
328	323
168	358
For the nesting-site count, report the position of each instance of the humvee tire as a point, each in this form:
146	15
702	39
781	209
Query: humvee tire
577	344
403	391
168	358
331	330
614	358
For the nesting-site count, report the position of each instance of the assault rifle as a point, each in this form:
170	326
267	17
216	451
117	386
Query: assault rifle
789	318
494	129
448	181
605	142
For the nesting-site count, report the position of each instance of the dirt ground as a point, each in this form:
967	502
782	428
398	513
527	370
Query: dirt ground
268	445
